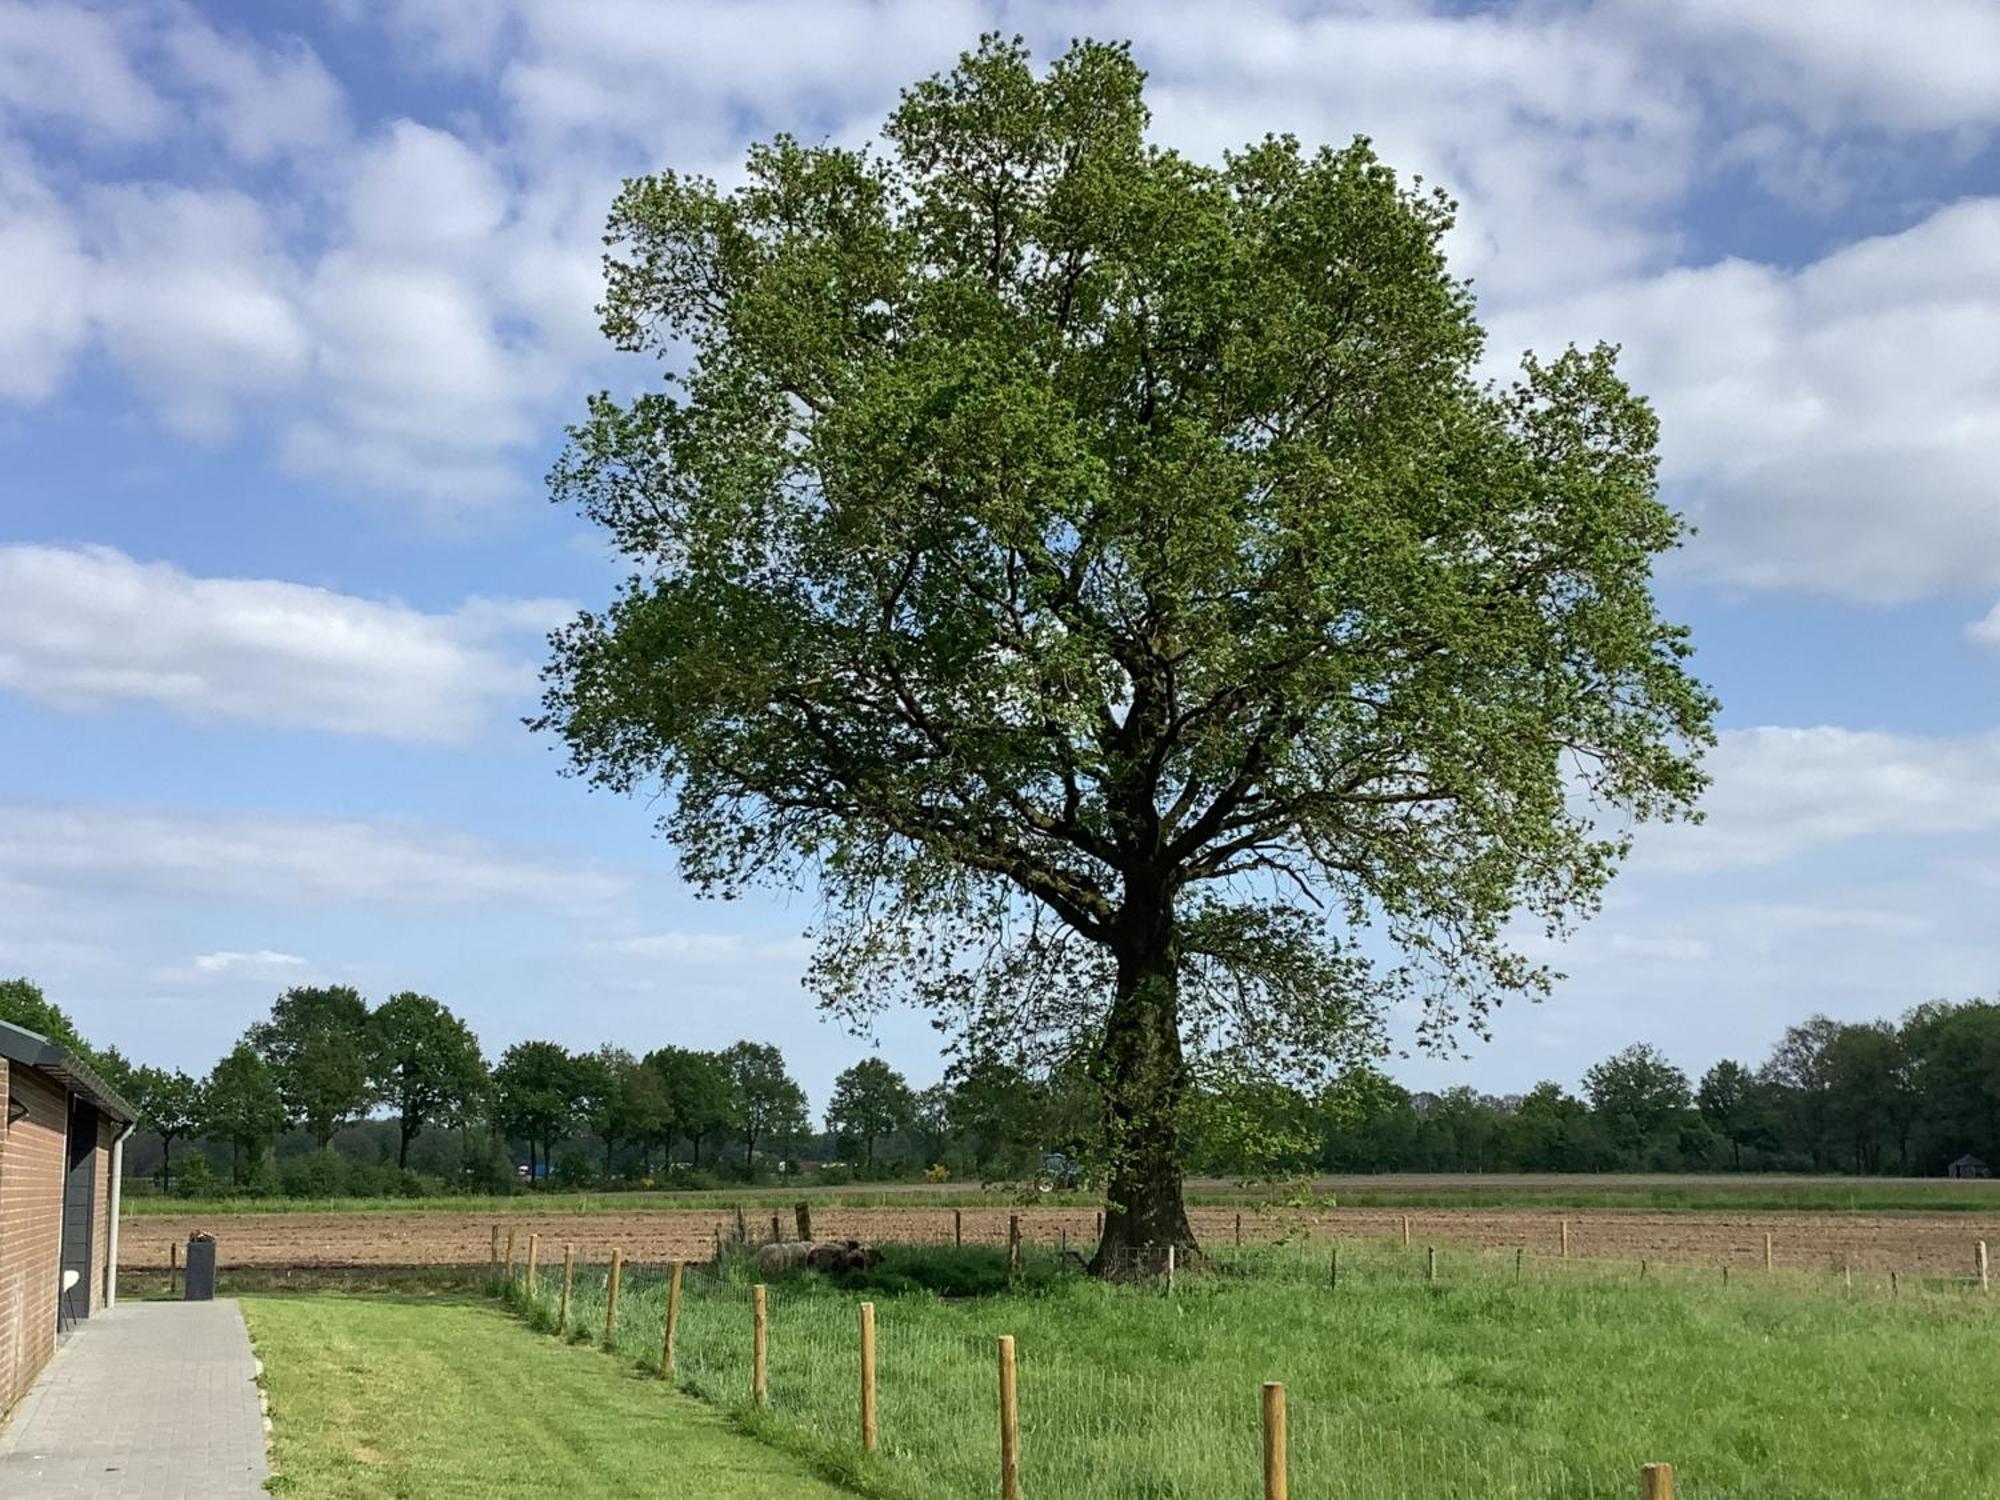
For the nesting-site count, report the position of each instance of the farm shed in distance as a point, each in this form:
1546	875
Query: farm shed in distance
61	1145
1968	1166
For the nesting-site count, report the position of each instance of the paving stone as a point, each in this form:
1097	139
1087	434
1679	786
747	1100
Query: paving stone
145	1401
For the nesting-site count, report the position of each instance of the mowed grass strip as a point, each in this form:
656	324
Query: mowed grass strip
1559	1385
442	1397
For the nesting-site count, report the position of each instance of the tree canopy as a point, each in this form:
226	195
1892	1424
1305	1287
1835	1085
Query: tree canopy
1107	576
870	1100
316	1044
424	1063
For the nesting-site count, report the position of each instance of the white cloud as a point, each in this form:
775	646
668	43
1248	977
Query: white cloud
229	960
1885	64
261	102
1986	631
178	854
713	947
71	64
1835	427
44	314
1780	793
81	627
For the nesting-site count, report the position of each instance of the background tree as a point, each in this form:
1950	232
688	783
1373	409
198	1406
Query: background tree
764	1102
930	1123
1736	1107
22	1003
317	1047
172	1106
241	1105
870	1100
697	1089
1799	1086
424	1063
1085	552
1637	1093
535	1097
617	1100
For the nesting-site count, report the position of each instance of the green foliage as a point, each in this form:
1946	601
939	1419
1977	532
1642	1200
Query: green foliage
1637	1092
765	1104
697	1094
22	1003
425	1064
870	1100
241	1105
318	1047
535	1095
1056	546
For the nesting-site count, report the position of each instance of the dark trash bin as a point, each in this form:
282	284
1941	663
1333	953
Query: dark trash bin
200	1283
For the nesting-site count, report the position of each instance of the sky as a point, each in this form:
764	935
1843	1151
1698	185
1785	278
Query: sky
296	299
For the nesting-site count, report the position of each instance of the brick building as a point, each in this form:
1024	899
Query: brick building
61	1146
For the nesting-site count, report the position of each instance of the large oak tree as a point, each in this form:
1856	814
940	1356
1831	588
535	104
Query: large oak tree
1107	578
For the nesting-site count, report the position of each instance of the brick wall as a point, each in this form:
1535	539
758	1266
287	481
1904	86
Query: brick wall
31	1182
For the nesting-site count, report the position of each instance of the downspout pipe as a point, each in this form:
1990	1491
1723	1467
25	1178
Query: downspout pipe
117	1194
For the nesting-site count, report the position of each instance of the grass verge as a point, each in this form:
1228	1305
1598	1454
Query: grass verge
434	1397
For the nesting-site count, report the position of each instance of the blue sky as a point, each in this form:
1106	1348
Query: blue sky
297	299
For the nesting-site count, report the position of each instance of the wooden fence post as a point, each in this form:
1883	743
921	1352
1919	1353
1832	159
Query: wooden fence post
1277	1483
1656	1482
1767	1250
1895	1285
759	1337
867	1377
958	1228
802	1217
776	1233
534	1260
1519	1251
1984	1284
1239	1229
1565	1245
1170	1270
493	1254
510	1254
673	1320
1406	1231
742	1227
1010	1424
1430	1263
1333	1270
611	1300
569	1279
1100	1223
174	1263
1013	1244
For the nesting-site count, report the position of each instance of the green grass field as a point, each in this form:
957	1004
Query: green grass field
1707	1192
426	1398
1561	1384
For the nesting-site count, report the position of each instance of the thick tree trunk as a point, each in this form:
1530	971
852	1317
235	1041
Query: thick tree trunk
1142	1072
407	1132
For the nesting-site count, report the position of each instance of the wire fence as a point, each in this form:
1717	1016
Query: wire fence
1151	1391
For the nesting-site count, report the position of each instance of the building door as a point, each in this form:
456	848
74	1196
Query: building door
79	1206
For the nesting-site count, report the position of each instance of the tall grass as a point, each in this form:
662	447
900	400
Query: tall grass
1559	1384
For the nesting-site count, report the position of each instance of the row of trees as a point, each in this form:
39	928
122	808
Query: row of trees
1905	1097
325	1067
1863	1097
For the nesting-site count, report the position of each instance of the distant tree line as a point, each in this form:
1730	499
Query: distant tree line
328	1096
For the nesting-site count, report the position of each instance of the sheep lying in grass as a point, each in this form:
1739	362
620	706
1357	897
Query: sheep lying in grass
823	1255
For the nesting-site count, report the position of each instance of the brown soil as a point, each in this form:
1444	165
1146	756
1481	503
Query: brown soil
1935	1244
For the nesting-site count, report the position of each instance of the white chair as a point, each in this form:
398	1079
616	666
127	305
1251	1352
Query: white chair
69	1281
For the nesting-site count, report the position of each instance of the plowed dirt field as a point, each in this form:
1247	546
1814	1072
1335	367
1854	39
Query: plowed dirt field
1931	1244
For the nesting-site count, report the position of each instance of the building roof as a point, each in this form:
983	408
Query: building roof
33	1050
1968	1160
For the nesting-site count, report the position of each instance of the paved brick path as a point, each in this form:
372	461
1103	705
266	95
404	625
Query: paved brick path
147	1401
